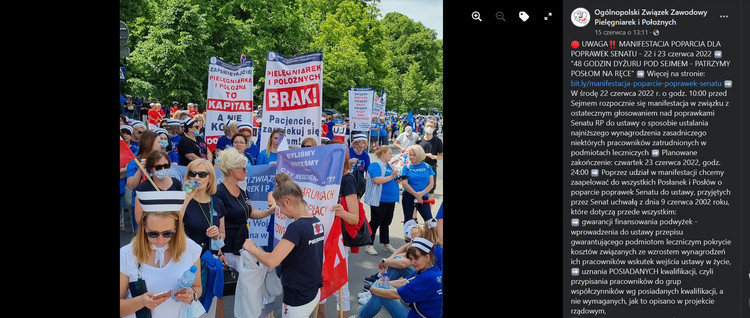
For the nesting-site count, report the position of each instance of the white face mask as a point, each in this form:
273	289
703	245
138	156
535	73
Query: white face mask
429	130
161	174
242	184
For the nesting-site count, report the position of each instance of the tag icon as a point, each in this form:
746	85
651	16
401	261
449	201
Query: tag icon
523	16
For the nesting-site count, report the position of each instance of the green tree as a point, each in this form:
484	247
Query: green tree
171	42
169	61
351	41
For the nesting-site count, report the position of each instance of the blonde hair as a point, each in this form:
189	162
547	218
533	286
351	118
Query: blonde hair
200	117
285	186
310	139
228	127
177	244
381	151
418	151
231	159
211	187
429	233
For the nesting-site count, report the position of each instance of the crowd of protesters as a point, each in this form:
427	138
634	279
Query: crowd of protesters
176	136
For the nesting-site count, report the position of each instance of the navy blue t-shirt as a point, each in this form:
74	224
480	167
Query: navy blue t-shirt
301	270
196	220
147	186
237	210
348	185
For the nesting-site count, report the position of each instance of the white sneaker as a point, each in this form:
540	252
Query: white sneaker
371	250
364	300
363	294
389	248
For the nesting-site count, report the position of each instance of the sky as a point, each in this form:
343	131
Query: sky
429	12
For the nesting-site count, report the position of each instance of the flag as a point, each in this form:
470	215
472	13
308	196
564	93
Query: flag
410	118
283	144
334	273
125	153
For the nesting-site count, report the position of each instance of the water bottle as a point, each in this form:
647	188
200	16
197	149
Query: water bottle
383	275
383	280
187	280
190	186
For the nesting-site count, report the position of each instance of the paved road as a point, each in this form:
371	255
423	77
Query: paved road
360	265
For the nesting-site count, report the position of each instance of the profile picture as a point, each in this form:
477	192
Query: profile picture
580	17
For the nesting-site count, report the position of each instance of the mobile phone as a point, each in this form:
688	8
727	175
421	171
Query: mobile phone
163	294
403	177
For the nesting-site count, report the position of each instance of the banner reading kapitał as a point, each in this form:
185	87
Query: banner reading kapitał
230	97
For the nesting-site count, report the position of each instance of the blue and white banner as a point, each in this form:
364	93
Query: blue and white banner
318	171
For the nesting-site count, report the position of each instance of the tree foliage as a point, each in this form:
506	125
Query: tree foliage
171	42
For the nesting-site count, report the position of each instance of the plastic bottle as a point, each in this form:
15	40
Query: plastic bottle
187	280
190	186
383	275
383	280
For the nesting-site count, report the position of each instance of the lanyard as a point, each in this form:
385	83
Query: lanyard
210	209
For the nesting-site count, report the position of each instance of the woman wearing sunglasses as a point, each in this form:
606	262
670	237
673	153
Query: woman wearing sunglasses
156	258
203	216
157	164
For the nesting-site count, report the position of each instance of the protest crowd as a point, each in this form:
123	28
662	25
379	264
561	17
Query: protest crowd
165	149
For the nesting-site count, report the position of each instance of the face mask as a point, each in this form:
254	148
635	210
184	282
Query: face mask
242	184
429	130
164	144
161	174
196	133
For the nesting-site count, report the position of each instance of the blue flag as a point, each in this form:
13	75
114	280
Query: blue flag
410	118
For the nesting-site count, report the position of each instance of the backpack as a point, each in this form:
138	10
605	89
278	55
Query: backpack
360	182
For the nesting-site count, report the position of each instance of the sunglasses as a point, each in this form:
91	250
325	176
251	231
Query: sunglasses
305	146
160	167
166	234
201	174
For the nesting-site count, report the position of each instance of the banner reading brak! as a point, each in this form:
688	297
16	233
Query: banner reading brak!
230	97
360	108
318	171
293	97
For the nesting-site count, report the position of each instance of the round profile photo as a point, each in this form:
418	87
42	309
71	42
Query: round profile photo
580	17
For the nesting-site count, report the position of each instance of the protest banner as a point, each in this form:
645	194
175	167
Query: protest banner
318	171
360	108
230	97
293	96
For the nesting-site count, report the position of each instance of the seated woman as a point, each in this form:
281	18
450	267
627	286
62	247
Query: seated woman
423	290
399	265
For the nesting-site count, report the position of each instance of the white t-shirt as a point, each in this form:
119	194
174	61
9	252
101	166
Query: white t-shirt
405	141
160	279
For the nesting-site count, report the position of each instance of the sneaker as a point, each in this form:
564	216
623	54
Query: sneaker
363	294
364	300
389	248
371	279
366	287
371	250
